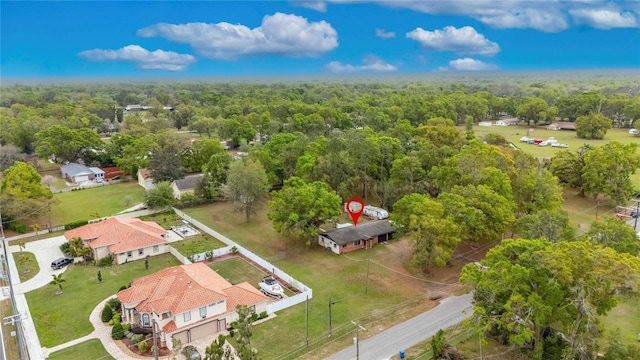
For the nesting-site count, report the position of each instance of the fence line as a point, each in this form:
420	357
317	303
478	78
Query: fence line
279	305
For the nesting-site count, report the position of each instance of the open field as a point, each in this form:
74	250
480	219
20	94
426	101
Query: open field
625	318
378	297
90	349
61	318
514	133
85	204
27	268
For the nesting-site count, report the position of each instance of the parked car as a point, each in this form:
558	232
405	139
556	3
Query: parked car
60	263
634	131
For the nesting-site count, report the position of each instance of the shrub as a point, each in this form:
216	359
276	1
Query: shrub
130	335
263	315
117	317
234	250
254	317
137	338
122	287
114	303
188	350
126	332
106	261
65	248
116	332
143	346
126	327
232	333
107	313
75	224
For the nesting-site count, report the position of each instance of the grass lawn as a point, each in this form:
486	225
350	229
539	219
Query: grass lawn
625	317
40	236
27	268
90	349
377	298
102	201
514	133
236	270
61	318
197	244
165	219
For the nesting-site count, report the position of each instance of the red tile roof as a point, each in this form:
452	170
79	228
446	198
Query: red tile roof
120	234
186	287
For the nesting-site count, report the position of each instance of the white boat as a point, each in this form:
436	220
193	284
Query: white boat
270	286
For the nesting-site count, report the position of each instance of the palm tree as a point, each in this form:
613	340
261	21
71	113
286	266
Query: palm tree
23	260
35	228
57	280
21	245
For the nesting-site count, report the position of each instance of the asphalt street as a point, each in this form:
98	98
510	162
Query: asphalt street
384	345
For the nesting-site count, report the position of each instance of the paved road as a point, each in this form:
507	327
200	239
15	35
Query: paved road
411	332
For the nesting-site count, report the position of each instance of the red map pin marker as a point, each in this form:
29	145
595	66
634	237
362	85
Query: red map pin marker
355	207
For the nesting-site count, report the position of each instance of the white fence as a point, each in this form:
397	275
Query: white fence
273	307
183	259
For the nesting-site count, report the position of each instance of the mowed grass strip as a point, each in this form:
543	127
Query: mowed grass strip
27	269
84	204
90	349
384	297
197	244
61	318
10	342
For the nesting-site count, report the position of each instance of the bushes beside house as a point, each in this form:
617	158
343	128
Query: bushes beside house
75	224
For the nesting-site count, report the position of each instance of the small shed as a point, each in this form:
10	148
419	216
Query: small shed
362	236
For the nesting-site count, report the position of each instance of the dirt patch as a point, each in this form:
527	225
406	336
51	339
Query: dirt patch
129	348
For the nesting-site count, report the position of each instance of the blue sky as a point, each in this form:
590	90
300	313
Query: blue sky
231	38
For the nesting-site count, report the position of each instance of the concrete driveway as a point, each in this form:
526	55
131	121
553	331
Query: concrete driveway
45	251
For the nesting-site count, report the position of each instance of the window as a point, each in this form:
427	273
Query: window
344	245
253	309
187	316
128	253
356	243
203	312
145	320
156	248
166	315
140	251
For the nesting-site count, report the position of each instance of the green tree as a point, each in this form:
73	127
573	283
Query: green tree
608	169
202	124
299	208
534	187
568	165
57	281
247	185
438	343
21	181
199	153
244	325
215	175
65	143
536	110
552	225
615	234
592	126
564	286
161	195
434	235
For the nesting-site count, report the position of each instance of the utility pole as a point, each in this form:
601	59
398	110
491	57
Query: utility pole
155	339
331	303
635	223
357	339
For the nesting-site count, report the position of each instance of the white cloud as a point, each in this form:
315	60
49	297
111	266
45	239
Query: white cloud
465	40
143	58
370	63
604	18
320	6
468	64
547	15
279	34
382	33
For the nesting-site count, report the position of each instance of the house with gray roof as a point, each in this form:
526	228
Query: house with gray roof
188	184
351	238
78	173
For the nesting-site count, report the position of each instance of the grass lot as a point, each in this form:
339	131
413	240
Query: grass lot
236	270
626	318
10	342
386	296
40	236
65	317
514	133
102	201
197	244
29	268
165	219
91	349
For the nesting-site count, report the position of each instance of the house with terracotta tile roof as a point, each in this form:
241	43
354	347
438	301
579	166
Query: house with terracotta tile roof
126	239
144	178
187	302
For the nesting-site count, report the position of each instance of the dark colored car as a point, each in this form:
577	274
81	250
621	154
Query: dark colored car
60	263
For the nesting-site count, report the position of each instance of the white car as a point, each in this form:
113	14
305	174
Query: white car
634	131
